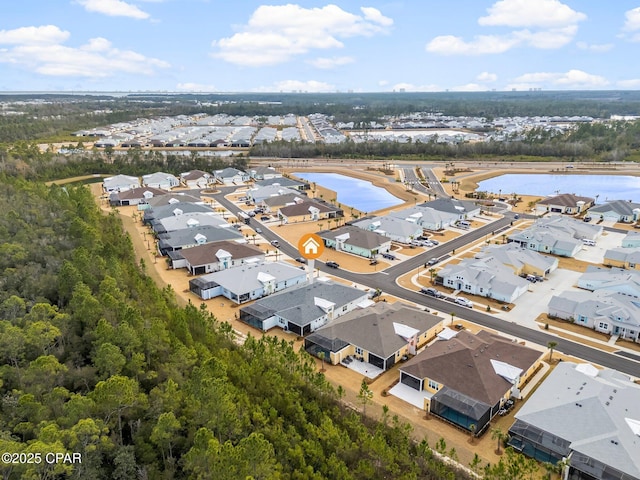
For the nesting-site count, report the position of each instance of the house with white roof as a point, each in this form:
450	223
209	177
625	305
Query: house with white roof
616	211
426	217
248	282
354	240
305	308
284	182
162	180
120	183
462	208
258	194
188	220
264	173
631	240
231	176
521	260
586	415
614	279
397	229
602	310
485	277
380	334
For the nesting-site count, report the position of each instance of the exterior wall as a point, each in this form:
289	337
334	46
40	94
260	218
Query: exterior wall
615	263
337	357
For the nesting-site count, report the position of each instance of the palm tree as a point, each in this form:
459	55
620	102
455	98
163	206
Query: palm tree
472	428
321	357
500	436
452	315
432	271
551	345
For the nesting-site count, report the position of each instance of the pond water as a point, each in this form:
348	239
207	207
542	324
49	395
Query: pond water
605	187
356	193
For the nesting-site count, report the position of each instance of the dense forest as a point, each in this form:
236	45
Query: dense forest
97	360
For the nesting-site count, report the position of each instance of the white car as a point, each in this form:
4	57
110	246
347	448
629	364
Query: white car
464	302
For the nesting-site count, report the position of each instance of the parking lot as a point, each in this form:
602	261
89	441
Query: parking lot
595	254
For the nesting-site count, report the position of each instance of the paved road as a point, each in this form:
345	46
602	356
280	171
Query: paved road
410	177
386	281
433	182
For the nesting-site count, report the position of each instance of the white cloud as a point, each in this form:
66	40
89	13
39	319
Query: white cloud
276	33
330	63
195	87
487	77
632	22
572	79
525	13
298	86
630	84
383	83
48	56
410	87
594	47
33	35
469	87
113	8
480	45
547	39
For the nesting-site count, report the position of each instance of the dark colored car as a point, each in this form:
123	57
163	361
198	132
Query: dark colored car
301	260
431	292
265	217
389	256
332	264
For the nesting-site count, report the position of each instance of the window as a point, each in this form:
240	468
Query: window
632	265
603	325
358	351
481	290
344	309
433	385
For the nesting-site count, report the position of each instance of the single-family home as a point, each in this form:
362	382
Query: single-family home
628	258
248	282
380	334
354	240
284	182
521	260
305	308
162	180
135	196
463	209
616	211
172	198
231	176
566	203
120	183
631	240
602	310
190	237
308	211
397	229
264	173
188	220
154	214
258	194
486	277
466	379
216	256
272	204
426	217
614	279
557	235
586	416
196	179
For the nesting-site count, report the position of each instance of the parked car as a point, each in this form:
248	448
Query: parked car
516	216
435	242
373	262
389	256
258	230
301	260
432	261
431	292
464	302
428	243
265	217
332	264
251	214
586	219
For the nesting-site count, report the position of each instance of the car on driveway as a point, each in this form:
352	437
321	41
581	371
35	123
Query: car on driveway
389	256
431	292
332	264
464	302
265	217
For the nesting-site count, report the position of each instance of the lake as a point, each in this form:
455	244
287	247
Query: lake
359	194
606	187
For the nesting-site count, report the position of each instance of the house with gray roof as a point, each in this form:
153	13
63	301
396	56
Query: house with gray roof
566	203
248	282
556	235
190	237
188	220
631	240
308	211
397	229
614	279
380	334
120	183
427	217
264	173
196	179
616	211
154	214
521	260
462	208
628	258
162	180
485	277
305	308
231	176
136	196
284	182
272	204
602	310
172	198
216	256
258	194
466	379
586	415
354	240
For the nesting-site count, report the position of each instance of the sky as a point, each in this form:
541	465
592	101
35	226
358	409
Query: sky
319	46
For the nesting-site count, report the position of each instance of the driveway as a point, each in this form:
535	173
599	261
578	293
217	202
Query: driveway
595	254
535	301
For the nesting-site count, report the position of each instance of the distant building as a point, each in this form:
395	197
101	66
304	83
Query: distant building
162	180
120	183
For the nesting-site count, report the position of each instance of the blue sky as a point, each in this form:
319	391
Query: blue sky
315	46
